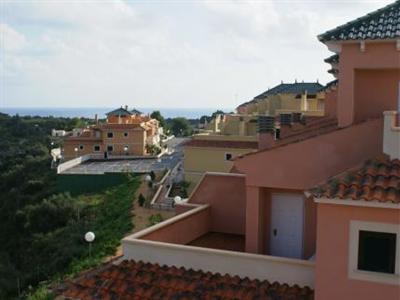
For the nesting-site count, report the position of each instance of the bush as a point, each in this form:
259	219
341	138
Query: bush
141	200
154	219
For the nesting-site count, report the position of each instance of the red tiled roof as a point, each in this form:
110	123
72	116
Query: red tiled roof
222	144
378	180
138	280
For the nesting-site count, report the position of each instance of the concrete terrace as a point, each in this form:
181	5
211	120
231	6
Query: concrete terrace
134	165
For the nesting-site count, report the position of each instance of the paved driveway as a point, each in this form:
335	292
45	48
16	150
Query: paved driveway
137	165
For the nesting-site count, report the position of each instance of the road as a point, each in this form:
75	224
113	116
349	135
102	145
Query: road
136	165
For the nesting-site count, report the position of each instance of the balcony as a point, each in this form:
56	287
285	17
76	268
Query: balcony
187	240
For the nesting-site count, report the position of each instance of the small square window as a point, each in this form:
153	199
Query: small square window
110	148
125	134
228	156
110	135
96	148
80	147
377	251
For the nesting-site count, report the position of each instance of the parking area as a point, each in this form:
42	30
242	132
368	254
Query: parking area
135	165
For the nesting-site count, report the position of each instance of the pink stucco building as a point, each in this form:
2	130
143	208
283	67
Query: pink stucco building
318	205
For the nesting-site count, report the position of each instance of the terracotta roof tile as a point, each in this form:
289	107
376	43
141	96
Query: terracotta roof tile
222	144
378	180
138	280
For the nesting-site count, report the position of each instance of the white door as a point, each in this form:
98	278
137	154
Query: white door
286	235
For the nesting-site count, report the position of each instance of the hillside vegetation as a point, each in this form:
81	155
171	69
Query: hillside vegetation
41	230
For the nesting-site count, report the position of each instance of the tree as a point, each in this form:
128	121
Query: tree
157	115
181	127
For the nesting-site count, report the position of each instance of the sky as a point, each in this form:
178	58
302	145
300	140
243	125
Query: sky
166	54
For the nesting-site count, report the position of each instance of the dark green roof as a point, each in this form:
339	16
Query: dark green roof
381	24
292	88
136	112
119	112
334	59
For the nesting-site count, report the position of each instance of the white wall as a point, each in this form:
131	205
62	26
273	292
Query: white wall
254	266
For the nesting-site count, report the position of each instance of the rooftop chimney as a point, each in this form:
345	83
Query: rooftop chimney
96	121
126	107
391	134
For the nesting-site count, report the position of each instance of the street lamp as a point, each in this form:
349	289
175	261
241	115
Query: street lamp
177	199
76	151
126	149
89	237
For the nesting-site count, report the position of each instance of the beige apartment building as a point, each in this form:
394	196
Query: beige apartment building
125	133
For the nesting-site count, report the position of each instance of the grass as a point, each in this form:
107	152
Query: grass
109	216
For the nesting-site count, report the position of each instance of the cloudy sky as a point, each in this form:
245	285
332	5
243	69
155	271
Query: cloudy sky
162	53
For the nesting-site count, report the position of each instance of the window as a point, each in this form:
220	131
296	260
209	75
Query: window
228	156
376	251
110	148
80	147
110	135
96	148
125	134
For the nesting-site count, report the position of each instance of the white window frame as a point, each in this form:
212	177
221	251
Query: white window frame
94	148
226	154
112	146
353	271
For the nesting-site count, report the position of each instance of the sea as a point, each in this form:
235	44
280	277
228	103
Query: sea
90	112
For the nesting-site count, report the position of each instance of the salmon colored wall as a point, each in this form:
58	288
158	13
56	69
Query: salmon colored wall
255	217
304	164
226	195
331	277
310	228
183	231
88	148
375	91
331	103
375	56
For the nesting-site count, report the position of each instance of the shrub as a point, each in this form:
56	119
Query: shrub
154	219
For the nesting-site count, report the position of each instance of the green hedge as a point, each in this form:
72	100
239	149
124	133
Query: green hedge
77	184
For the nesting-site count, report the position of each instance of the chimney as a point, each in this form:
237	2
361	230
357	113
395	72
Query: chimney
391	134
266	132
126	107
96	121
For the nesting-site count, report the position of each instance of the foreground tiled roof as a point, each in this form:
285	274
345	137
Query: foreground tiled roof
334	59
138	280
381	24
222	144
378	180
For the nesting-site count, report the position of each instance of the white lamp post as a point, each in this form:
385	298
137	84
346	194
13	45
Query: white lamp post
177	199
126	149
89	237
76	151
